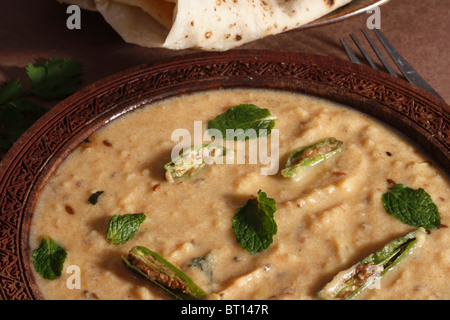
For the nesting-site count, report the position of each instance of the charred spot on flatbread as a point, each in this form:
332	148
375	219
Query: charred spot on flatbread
329	2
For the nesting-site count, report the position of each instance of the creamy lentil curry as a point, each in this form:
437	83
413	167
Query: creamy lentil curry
327	221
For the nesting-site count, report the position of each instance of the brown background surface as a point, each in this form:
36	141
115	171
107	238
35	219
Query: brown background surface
35	30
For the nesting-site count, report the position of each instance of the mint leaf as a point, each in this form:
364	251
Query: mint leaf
246	121
254	224
413	207
123	227
49	258
55	79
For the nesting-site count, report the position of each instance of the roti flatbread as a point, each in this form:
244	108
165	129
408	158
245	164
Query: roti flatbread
214	25
160	10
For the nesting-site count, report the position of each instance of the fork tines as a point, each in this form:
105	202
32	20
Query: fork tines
352	56
406	69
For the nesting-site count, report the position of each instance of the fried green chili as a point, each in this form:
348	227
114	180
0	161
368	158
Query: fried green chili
348	284
192	161
151	266
305	157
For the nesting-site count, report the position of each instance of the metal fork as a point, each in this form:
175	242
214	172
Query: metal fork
406	69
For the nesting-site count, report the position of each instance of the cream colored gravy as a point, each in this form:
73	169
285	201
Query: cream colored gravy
327	221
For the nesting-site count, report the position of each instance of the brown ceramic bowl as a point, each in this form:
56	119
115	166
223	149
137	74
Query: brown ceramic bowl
32	160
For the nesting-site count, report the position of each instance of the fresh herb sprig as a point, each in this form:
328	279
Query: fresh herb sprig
413	207
122	228
243	122
254	224
55	79
49	258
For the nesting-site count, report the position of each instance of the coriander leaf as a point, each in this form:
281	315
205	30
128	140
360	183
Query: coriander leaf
12	120
10	90
55	79
123	227
49	258
244	121
254	224
16	116
413	207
